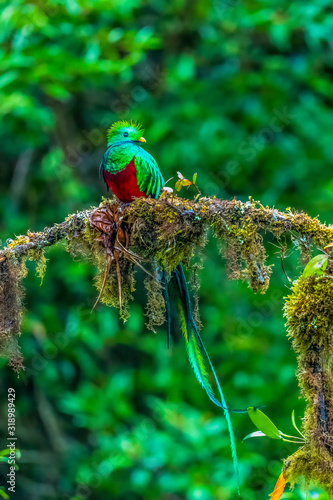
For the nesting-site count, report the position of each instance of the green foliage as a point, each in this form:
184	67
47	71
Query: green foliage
239	93
3	494
268	428
316	265
263	423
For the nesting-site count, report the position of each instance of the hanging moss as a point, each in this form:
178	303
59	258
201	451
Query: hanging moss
195	283
155	309
244	250
41	261
11	311
114	288
12	272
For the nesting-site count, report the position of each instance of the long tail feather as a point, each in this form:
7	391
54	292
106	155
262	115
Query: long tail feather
196	350
227	416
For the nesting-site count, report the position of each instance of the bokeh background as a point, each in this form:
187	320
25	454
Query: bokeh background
239	92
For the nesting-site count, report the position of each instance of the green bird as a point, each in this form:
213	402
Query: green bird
130	172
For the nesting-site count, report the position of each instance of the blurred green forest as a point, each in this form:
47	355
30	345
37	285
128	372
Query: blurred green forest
239	92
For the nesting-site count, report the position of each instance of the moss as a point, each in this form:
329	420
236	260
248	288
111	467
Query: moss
168	233
155	309
309	465
244	250
11	311
113	289
309	314
38	255
41	266
195	283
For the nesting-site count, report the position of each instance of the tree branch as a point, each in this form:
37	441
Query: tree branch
233	212
21	245
165	232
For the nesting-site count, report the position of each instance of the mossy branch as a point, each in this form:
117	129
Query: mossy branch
23	246
165	232
230	214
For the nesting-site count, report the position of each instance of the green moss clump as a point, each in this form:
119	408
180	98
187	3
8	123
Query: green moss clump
167	232
19	240
309	313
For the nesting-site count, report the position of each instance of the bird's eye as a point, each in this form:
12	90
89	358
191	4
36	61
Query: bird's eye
125	134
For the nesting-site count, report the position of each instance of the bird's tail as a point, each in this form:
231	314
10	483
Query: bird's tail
176	293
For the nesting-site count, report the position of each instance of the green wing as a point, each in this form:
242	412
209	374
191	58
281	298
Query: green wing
149	177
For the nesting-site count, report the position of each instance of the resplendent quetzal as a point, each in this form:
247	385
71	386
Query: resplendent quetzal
130	172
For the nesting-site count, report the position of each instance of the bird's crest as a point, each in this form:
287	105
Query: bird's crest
115	127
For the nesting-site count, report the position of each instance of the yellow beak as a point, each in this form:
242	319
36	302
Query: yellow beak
142	139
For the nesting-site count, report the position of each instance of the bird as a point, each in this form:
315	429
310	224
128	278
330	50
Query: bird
130	172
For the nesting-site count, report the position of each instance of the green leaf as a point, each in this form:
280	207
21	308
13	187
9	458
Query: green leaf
317	265
294	423
3	494
178	185
263	423
254	434
194	180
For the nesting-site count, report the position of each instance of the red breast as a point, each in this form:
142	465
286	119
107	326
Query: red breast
124	184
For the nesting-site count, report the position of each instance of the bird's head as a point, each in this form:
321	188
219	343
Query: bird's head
124	131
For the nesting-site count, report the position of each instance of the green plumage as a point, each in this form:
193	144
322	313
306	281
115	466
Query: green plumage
149	176
130	172
128	180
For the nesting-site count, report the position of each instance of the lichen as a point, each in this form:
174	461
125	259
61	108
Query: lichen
19	240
